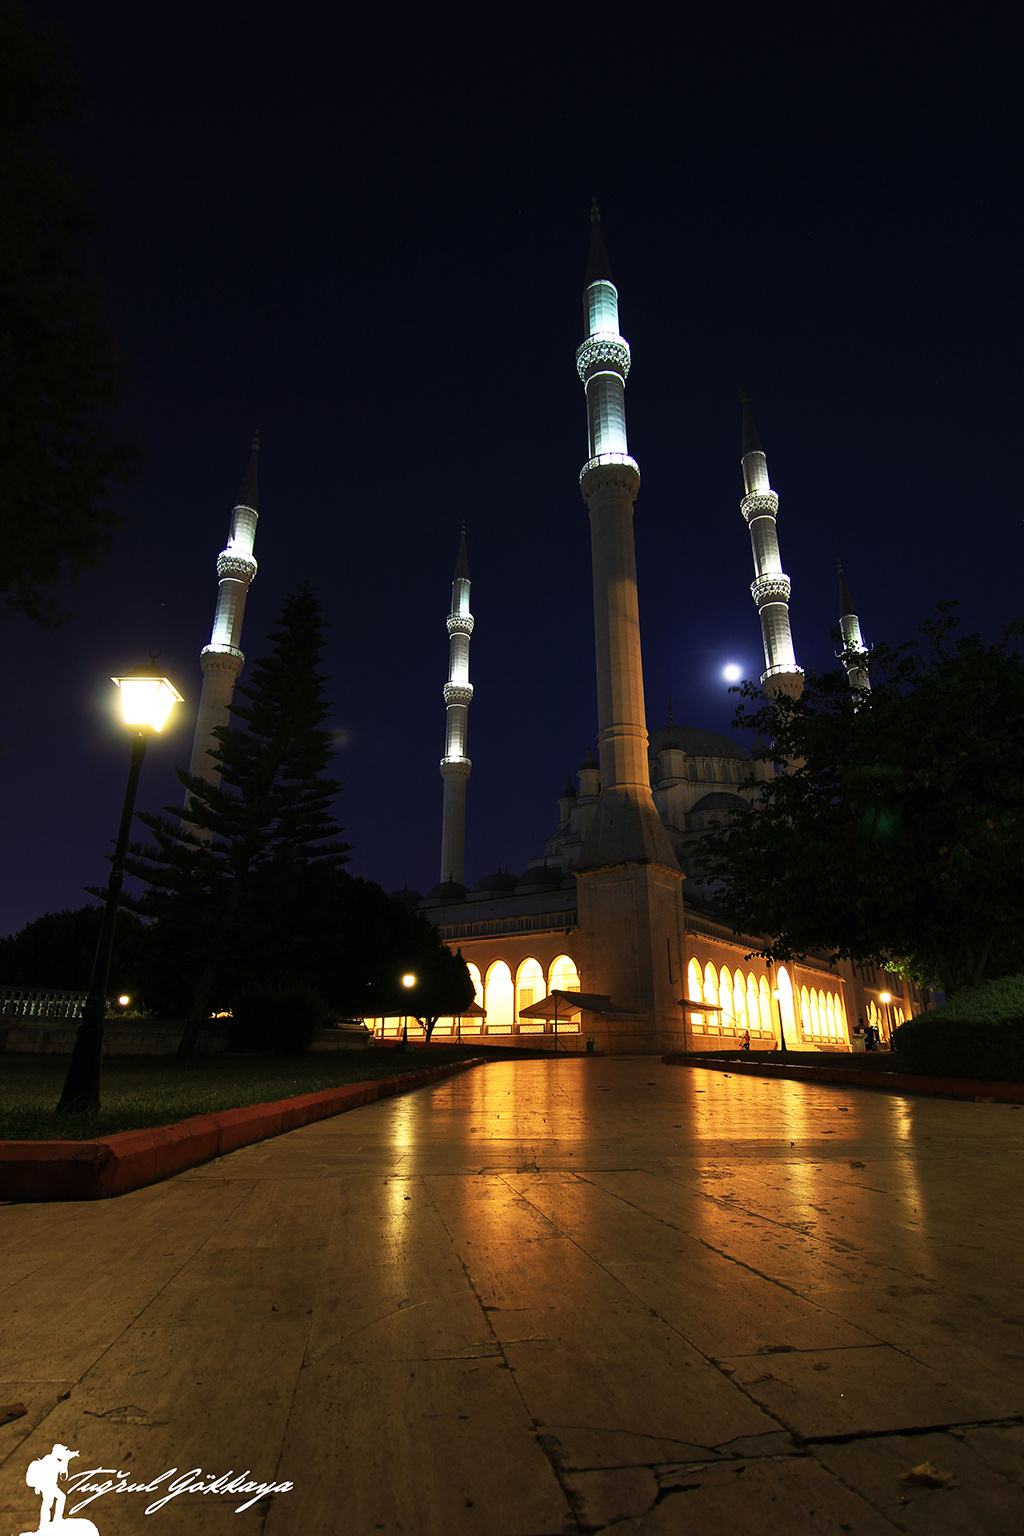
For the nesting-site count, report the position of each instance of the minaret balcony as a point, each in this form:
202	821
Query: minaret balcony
460	623
604	350
458	693
236	567
771	589
761	504
610	469
455	767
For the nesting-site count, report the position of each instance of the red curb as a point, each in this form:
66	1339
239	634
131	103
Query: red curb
898	1082
127	1160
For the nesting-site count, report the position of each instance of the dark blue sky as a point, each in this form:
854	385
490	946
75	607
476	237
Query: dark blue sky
366	234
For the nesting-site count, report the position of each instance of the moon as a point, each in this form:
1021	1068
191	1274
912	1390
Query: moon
732	673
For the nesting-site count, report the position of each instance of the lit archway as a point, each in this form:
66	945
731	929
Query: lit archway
753	1012
785	990
478	989
529	985
711	995
739	1001
726	1000
563	975
498	999
694	993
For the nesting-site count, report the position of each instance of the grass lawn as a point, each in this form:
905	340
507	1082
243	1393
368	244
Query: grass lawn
157	1090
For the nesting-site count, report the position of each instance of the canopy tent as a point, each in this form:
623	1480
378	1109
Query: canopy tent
561	1005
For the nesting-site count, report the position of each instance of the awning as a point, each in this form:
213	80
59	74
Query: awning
560	1005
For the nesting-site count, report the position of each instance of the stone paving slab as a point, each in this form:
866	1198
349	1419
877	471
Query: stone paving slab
543	1298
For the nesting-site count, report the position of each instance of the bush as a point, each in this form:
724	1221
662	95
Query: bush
276	1020
977	1034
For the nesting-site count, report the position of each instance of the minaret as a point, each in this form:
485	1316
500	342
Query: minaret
854	655
771	586
629	882
222	659
458	691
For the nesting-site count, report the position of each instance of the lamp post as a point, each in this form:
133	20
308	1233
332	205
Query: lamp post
147	698
885	998
408	980
777	994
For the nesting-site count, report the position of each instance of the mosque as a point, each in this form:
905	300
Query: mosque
593	942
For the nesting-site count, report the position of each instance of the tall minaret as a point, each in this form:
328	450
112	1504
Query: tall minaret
458	691
771	586
222	659
628	879
854	655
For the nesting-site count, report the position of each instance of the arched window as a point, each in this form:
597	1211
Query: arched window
711	995
498	999
693	991
830	1014
753	1011
474	976
563	975
841	1018
530	987
764	1001
805	1011
785	990
725	998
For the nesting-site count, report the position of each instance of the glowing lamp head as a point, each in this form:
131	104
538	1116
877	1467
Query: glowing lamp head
732	673
408	980
123	1000
885	997
147	698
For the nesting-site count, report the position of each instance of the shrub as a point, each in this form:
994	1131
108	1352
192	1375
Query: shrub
977	1034
276	1019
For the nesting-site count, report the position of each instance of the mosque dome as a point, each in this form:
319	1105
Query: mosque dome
501	883
590	761
410	898
695	742
447	891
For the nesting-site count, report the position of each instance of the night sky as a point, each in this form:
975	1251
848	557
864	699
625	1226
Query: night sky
363	231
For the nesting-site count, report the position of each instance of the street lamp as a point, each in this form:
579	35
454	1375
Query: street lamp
408	980
147	698
885	998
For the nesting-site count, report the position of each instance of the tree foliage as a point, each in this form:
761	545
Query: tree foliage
57	951
238	842
60	371
897	836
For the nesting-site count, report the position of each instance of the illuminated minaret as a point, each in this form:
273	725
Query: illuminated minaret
628	879
458	691
222	659
771	586
854	654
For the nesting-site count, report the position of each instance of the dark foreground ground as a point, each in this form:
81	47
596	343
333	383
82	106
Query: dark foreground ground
544	1297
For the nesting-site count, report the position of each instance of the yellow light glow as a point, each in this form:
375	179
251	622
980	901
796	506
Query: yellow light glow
147	698
886	997
408	980
124	1000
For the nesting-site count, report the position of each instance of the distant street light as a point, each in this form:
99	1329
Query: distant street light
147	698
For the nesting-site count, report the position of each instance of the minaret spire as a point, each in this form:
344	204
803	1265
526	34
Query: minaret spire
458	691
628	878
854	655
771	586
222	659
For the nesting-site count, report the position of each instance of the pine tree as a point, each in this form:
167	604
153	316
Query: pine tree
272	812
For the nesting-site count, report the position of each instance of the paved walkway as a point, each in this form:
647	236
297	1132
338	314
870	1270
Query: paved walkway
542	1298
